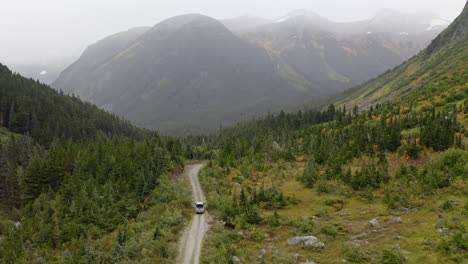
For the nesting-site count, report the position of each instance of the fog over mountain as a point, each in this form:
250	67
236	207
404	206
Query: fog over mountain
191	73
34	32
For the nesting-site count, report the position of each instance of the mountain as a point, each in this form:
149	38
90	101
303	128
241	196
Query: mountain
98	53
187	71
440	68
312	50
191	73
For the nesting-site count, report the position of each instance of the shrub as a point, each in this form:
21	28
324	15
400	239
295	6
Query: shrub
411	150
453	161
447	205
257	235
324	186
391	257
307	227
353	254
338	204
323	212
445	168
329	230
275	220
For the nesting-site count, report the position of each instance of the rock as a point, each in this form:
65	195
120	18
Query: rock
414	209
398	237
237	184
344	261
396	246
261	253
395	220
404	210
240	233
306	218
313	244
295	256
308	262
236	259
16	223
299	239
405	252
441	216
345	214
358	242
439	224
275	145
374	222
276	253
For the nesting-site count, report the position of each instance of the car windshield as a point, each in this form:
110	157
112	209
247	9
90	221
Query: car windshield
199	205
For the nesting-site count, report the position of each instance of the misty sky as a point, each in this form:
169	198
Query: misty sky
45	30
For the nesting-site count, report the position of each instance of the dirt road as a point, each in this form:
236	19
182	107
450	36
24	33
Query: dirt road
192	240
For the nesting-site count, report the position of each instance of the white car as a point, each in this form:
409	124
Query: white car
199	208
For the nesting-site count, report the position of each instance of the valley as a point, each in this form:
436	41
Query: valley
294	140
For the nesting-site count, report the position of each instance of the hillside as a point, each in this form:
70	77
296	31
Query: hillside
193	67
30	108
387	184
441	65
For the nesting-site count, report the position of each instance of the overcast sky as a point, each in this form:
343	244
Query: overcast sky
44	30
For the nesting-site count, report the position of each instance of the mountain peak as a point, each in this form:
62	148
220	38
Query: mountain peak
186	19
301	13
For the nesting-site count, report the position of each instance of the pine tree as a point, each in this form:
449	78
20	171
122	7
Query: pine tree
310	175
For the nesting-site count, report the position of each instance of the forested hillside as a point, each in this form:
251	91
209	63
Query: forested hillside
79	185
33	109
381	183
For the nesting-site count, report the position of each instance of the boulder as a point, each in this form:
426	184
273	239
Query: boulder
261	253
313	244
236	259
374	222
300	239
396	220
441	216
396	246
404	210
308	262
